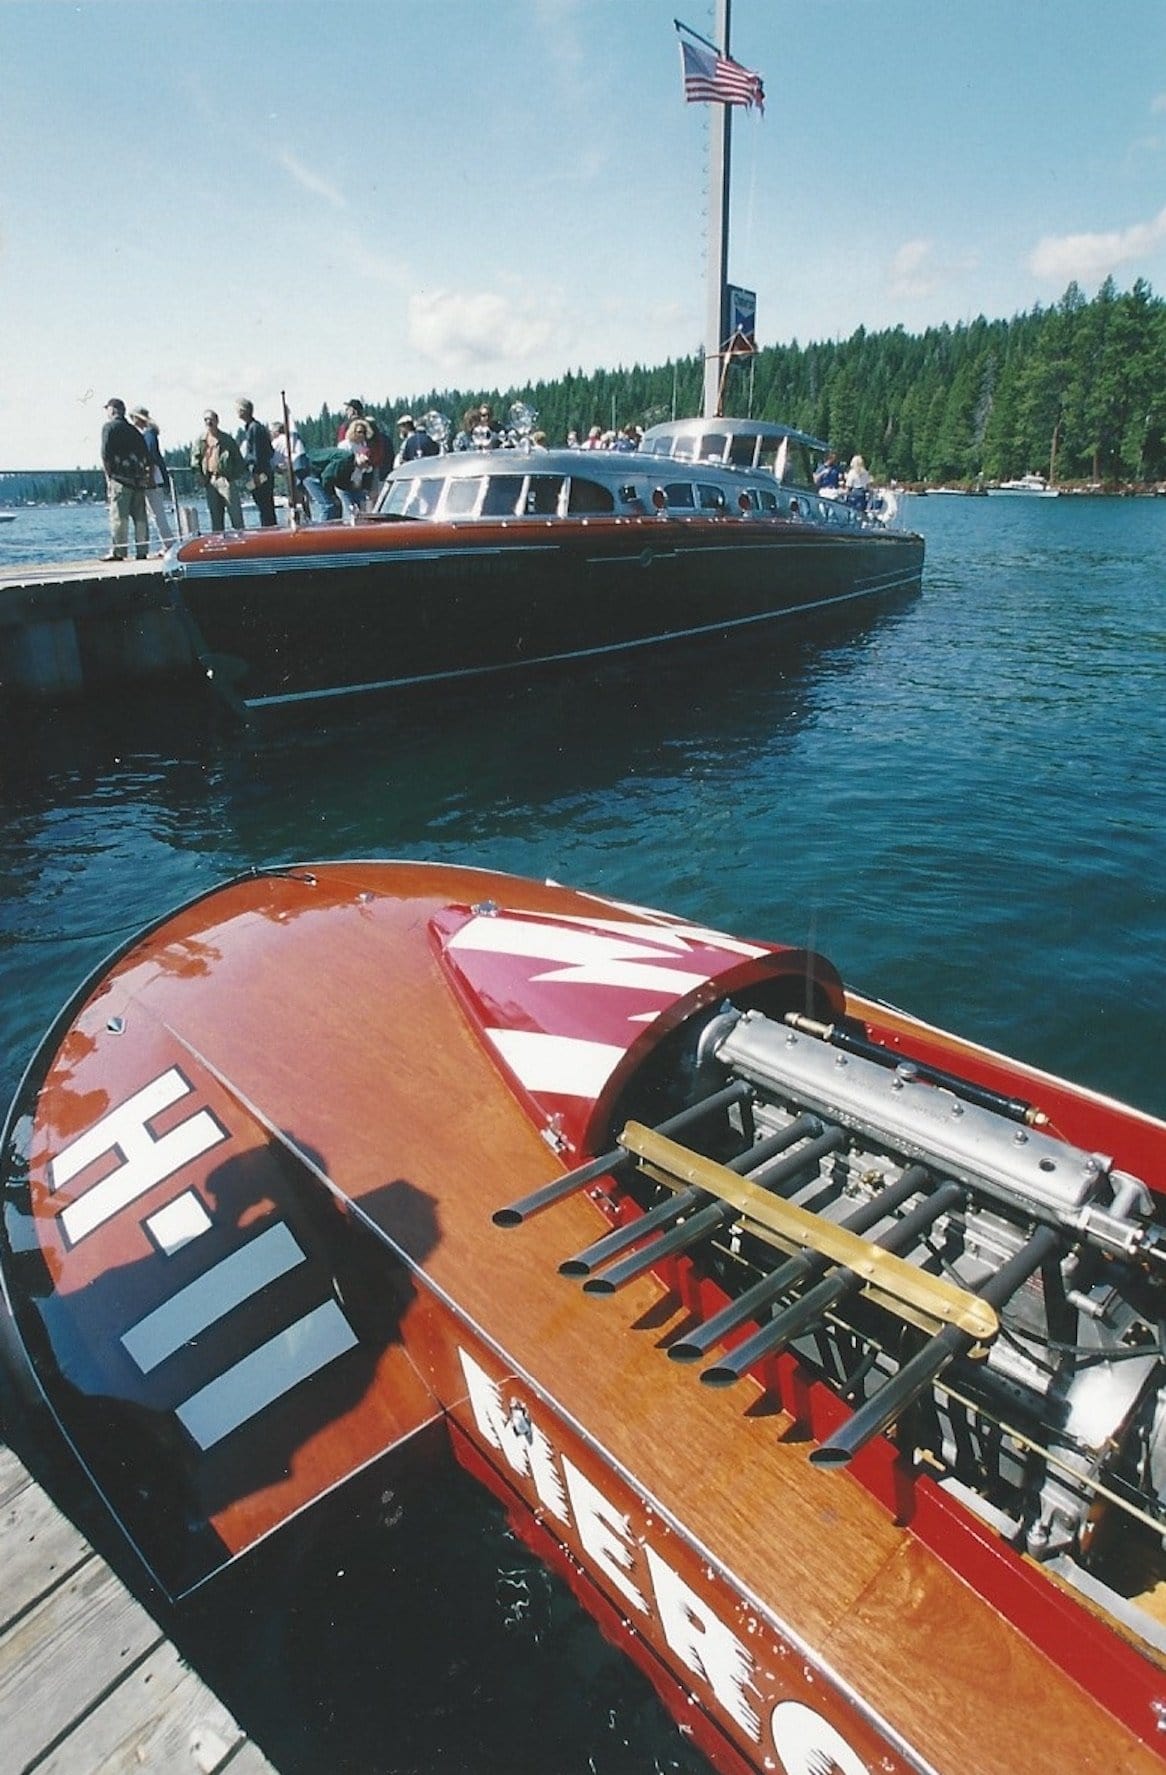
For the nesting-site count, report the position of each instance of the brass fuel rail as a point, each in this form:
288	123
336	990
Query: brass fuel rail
901	1286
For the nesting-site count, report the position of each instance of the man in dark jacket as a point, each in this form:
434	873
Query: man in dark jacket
126	462
255	443
349	477
416	440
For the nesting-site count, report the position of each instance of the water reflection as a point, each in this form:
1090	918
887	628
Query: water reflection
949	780
115	812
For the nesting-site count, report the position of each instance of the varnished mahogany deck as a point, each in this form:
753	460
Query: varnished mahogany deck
817	1549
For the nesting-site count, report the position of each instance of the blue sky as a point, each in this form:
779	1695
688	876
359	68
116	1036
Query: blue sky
206	198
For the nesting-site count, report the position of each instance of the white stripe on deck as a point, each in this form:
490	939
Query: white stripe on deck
267	1374
211	1296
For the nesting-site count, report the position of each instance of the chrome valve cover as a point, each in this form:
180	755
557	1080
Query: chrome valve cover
920	1120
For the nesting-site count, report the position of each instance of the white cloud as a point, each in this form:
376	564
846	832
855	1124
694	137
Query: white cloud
1158	103
913	270
1087	257
559	21
480	330
917	270
373	264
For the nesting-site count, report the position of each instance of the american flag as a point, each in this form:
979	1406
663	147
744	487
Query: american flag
710	76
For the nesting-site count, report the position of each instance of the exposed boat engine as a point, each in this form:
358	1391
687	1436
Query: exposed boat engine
935	1253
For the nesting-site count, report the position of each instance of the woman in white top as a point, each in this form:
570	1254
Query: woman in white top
858	483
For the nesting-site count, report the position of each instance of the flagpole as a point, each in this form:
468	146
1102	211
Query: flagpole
718	241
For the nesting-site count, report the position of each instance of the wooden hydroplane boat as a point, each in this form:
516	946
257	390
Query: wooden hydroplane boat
819	1349
493	560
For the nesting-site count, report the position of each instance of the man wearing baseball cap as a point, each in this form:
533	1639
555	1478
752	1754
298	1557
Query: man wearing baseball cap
127	474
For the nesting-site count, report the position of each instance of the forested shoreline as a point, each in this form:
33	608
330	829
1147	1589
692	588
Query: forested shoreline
1076	391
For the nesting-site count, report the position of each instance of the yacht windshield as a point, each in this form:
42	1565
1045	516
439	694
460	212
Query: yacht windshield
462	494
410	498
713	445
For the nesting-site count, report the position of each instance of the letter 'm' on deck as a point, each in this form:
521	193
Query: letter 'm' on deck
526	1449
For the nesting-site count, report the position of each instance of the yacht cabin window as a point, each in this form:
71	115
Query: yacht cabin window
689	495
585	497
411	498
542	496
788	462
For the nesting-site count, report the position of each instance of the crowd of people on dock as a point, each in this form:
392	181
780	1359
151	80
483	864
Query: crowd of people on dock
141	487
257	456
226	466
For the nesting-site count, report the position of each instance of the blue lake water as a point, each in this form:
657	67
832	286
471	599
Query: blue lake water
961	802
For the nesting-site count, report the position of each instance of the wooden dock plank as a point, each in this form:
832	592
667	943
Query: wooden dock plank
250	1761
88	1680
160	1718
13	1477
63	1655
68	631
41	1547
40	575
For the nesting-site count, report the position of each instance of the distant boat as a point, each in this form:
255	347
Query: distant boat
1035	486
7	517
